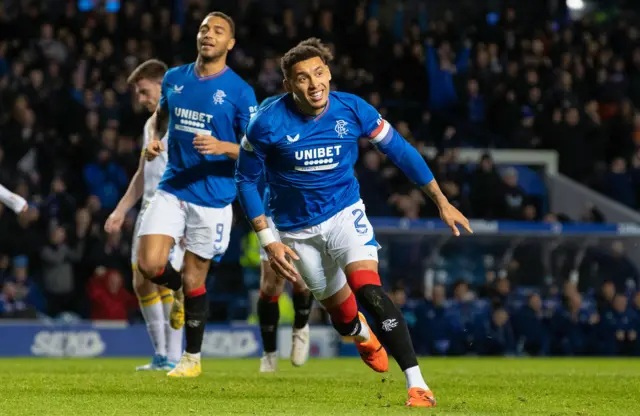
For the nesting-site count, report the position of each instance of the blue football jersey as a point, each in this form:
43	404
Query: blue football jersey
219	105
308	161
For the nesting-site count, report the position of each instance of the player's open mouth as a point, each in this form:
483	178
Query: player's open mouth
316	96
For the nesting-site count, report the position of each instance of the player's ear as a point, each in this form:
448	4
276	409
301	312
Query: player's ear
329	72
231	44
286	84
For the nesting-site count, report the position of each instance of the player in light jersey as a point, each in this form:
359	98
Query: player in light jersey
271	287
155	301
14	201
307	144
205	108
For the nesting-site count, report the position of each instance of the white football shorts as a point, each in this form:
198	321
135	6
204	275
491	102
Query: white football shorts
206	231
327	248
176	255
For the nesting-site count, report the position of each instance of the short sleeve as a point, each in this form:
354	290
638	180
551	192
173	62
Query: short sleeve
370	119
164	102
256	136
247	107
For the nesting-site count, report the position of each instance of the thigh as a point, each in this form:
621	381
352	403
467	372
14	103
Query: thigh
136	239
350	236
165	215
334	275
208	231
312	263
176	255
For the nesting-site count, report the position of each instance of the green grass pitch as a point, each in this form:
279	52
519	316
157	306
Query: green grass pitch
337	387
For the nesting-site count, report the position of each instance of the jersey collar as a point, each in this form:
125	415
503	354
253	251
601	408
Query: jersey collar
216	75
307	117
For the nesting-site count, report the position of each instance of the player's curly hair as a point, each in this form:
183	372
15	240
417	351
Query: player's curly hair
307	49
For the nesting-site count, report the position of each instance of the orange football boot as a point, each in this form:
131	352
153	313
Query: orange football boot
419	397
372	352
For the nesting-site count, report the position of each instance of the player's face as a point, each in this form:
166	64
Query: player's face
309	83
148	93
214	38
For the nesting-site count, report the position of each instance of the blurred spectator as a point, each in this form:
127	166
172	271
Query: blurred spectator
621	185
59	207
110	300
20	298
437	332
616	331
495	336
486	190
514	198
58	277
571	327
617	269
105	179
531	327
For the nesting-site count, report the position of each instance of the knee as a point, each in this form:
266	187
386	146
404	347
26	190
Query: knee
153	254
141	286
149	265
271	284
272	287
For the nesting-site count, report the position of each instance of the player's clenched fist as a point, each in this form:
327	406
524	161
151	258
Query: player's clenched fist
154	149
209	145
280	256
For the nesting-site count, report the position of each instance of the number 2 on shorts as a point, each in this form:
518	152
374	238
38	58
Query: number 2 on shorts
360	228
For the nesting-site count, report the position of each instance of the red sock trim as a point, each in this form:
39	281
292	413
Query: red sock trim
360	278
160	272
196	292
270	299
345	312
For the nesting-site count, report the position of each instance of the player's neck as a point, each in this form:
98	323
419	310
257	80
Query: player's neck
208	68
307	110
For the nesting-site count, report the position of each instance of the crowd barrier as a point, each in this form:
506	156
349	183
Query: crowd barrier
120	340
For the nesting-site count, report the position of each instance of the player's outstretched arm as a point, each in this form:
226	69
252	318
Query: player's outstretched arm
249	172
14	201
407	158
162	122
449	214
129	199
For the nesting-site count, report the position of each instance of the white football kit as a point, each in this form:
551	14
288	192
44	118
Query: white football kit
327	248
153	171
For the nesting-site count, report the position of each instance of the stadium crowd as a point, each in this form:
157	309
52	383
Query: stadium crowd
70	140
